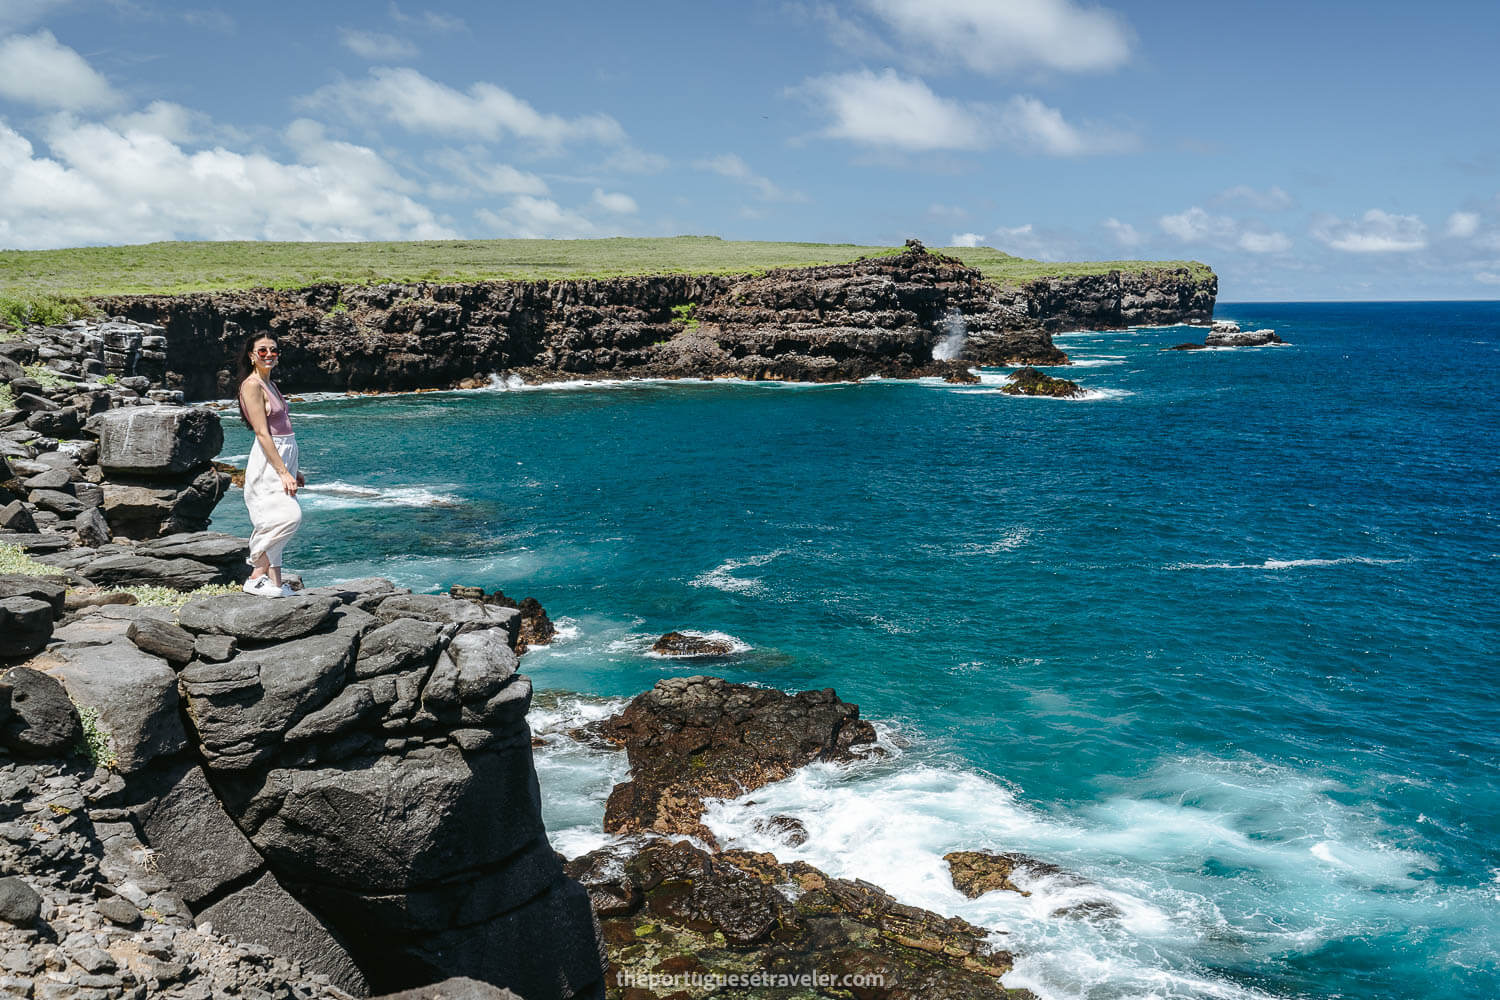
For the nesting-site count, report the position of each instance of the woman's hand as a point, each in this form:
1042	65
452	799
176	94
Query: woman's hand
289	484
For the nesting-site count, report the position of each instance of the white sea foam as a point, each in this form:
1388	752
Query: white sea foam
1008	542
722	577
338	494
234	459
1099	362
1281	564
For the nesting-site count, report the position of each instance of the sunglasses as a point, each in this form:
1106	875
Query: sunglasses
267	352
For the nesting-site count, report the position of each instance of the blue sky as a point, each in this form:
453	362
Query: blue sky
1306	151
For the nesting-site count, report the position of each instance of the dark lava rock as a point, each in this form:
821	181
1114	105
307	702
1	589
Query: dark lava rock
246	616
975	873
43	721
25	626
691	644
19	903
458	988
536	628
157	440
691	738
172	643
14	516
670	907
1246	338
52	589
1189	346
1030	382
120	911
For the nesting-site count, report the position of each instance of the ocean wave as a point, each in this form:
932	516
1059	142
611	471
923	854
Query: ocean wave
514	383
722	577
338	494
1280	564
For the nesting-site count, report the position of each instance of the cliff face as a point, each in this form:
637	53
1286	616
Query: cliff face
908	314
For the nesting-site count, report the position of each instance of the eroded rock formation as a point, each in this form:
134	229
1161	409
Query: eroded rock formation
877	316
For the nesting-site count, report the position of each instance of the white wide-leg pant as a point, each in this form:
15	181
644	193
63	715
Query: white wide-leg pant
275	515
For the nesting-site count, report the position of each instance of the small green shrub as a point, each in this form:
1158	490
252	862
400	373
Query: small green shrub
109	379
7	398
338	309
96	744
166	597
20	311
684	314
14	560
46	376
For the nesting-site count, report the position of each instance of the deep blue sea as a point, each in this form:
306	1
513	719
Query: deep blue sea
1220	638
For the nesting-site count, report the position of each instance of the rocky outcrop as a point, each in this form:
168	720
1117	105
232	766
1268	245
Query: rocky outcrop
1030	382
877	316
536	628
1227	333
671	910
692	738
343	777
691	645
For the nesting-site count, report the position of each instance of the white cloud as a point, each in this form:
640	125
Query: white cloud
630	160
1030	124
1463	225
429	19
538	218
991	37
966	240
1256	242
106	185
1487	278
420	104
165	119
1273	199
1374	232
888	109
38	69
1197	226
1124	233
616	202
376	45
731	166
487	178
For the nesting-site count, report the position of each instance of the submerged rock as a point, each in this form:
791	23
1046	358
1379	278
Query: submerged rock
691	738
671	907
1030	382
975	873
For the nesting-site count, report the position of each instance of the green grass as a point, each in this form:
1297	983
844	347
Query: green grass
43	375
1002	268
51	285
95	743
7	398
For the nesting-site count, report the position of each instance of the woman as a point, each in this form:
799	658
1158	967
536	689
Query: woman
271	478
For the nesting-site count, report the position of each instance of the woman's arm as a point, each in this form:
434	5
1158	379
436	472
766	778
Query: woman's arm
253	402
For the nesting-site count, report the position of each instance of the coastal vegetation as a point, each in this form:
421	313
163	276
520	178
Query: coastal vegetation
51	286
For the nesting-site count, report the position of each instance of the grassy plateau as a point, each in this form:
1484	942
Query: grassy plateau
49	286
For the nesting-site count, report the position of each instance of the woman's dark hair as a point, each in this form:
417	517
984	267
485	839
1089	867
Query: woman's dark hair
243	366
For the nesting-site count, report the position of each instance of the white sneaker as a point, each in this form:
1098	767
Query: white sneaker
261	586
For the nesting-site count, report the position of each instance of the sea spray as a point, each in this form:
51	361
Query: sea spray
955	335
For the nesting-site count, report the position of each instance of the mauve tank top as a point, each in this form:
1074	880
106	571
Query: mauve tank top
278	417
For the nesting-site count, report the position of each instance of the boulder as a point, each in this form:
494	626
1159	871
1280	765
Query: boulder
691	738
62	504
142	508
975	873
691	645
255	619
25	626
15	517
212	547
1238	338
401	645
457	988
172	643
92	528
42	722
134	693
157	440
52	479
20	904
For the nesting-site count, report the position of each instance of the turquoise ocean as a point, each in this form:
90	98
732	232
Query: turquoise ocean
1219	639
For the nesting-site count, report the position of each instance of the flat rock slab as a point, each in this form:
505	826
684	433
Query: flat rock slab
133	570
458	988
204	546
52	589
25	626
447	610
257	619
